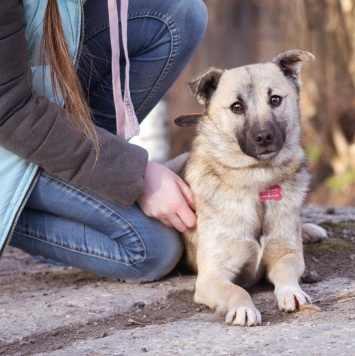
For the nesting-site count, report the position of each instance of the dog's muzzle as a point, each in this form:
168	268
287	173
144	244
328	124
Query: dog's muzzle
262	144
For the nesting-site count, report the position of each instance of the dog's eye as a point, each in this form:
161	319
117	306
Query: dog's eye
275	100
237	108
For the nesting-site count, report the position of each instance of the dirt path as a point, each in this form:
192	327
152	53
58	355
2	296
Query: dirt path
46	309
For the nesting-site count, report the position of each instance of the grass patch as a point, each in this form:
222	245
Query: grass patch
339	182
313	152
338	226
336	246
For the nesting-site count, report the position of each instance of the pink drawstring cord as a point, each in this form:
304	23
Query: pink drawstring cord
127	123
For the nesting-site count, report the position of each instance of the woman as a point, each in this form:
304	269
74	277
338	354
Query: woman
75	192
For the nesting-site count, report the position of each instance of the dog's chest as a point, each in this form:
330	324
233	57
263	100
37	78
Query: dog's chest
236	200
221	187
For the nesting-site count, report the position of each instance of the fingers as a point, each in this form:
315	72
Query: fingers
181	219
185	190
167	198
179	214
186	210
178	223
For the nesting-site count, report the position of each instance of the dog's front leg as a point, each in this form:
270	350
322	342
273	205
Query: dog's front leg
219	264
285	265
218	292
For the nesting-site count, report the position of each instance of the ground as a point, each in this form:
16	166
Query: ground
46	309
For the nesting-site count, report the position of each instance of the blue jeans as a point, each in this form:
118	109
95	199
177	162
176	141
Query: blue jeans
67	223
162	37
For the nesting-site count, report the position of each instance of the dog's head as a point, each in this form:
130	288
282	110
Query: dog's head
255	106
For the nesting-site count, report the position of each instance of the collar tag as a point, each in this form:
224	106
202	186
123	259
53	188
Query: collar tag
273	193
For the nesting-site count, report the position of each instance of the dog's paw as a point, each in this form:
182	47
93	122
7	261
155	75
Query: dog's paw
312	233
290	298
243	316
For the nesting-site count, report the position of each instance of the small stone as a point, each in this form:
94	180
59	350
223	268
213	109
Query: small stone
160	300
310	277
80	331
103	334
315	259
143	349
139	305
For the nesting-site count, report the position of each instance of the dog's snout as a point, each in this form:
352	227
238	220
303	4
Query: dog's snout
264	138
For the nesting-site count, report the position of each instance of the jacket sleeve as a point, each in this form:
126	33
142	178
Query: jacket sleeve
41	132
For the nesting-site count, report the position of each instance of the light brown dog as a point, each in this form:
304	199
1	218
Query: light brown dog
248	174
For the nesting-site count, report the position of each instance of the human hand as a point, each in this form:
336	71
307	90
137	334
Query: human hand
167	197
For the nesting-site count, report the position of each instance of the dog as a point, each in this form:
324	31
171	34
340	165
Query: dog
248	174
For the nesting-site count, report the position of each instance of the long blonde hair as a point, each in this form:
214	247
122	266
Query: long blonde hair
62	73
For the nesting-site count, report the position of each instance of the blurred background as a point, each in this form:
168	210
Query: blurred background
247	31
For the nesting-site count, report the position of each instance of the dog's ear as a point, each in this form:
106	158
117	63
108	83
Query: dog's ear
189	120
291	63
203	86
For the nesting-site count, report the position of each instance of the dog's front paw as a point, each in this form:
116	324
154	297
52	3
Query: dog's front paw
290	298
243	316
312	233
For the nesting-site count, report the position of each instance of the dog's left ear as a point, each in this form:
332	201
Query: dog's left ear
291	63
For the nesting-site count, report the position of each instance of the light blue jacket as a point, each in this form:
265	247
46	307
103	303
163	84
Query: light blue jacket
17	176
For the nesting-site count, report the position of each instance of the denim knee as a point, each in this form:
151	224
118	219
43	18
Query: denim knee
154	253
163	258
190	17
159	251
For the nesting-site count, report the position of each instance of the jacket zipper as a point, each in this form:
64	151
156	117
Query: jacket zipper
81	39
19	211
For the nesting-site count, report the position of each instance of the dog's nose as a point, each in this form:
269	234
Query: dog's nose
264	138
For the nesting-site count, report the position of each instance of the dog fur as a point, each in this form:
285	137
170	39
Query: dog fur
247	141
